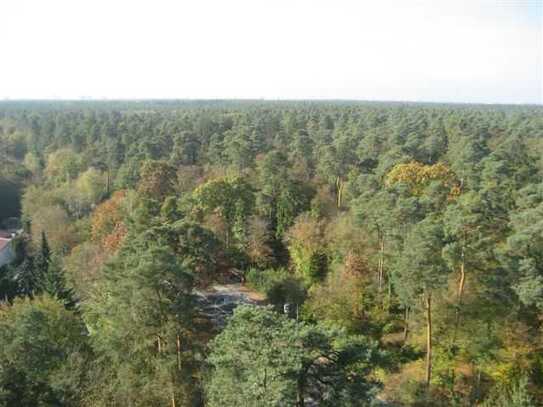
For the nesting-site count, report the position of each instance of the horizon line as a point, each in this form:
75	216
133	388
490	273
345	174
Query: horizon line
264	99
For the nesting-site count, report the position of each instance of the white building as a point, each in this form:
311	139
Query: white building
6	249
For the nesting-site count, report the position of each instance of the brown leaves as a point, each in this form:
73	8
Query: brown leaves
107	227
157	179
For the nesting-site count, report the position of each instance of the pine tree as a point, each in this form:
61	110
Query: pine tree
25	278
421	271
53	282
43	257
140	320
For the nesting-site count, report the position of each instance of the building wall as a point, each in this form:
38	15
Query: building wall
6	255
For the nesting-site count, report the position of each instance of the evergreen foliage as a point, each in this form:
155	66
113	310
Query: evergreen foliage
399	246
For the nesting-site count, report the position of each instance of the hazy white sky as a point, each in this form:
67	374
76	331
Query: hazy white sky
435	50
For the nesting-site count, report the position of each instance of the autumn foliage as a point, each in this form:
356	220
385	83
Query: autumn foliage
107	227
157	179
417	176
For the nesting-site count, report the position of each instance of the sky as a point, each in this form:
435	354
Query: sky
475	51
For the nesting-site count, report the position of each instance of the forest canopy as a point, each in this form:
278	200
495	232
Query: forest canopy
396	251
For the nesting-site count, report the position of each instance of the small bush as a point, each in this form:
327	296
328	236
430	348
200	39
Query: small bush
514	395
279	285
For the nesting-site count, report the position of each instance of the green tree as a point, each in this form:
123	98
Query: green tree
140	325
307	248
237	148
514	395
471	234
43	257
334	162
53	282
266	359
252	360
63	165
420	271
374	209
525	246
196	248
186	147
281	198
91	187
43	354
232	198
293	199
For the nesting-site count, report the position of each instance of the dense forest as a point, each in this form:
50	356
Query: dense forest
398	250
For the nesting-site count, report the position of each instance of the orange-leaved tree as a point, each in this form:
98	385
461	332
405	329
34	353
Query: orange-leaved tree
107	226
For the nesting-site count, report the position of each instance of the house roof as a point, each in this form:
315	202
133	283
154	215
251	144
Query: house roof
3	243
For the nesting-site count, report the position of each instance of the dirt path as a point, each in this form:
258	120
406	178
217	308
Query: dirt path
219	301
240	290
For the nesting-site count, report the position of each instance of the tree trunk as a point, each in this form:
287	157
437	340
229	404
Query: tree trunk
265	380
108	182
459	294
381	262
300	385
339	189
379	283
406	325
300	402
178	345
462	274
462	282
428	339
389	295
